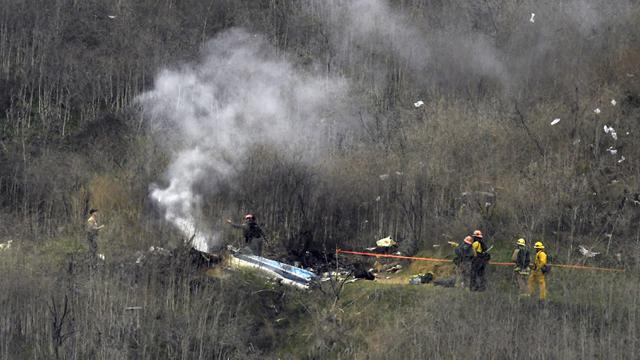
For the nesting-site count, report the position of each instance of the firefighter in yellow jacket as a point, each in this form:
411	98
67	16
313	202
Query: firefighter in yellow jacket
538	270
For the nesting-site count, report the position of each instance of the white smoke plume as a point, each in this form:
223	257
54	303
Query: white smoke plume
210	113
446	43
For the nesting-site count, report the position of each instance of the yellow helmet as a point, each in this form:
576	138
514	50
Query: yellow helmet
521	242
538	245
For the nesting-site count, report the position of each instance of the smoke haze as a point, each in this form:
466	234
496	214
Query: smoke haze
209	114
241	93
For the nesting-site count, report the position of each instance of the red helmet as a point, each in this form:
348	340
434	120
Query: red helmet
477	234
249	216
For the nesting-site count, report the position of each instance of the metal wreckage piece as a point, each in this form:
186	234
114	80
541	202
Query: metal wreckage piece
284	273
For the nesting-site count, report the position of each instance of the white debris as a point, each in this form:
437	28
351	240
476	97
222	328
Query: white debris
627	133
533	15
418	103
160	251
436	245
378	198
621	159
586	252
611	131
111	16
619	256
630	75
6	246
386	242
555	121
576	141
613	102
597	111
399	173
101	257
487	204
612	150
383	177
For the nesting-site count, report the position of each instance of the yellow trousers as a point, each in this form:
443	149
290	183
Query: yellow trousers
537	277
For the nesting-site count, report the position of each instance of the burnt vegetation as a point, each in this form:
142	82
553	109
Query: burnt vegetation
480	153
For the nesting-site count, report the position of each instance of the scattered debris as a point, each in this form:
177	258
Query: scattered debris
386	242
576	142
533	15
154	252
611	131
613	102
436	245
621	159
586	252
555	121
378	198
6	245
619	257
111	17
101	257
284	273
597	111
399	173
421	278
394	269
383	177
129	308
612	150
630	75
418	103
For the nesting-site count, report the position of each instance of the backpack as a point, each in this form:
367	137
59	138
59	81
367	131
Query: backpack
547	268
523	259
457	259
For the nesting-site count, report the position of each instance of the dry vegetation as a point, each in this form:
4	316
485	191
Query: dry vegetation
72	138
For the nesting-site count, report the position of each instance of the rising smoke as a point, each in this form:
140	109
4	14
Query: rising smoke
211	113
241	93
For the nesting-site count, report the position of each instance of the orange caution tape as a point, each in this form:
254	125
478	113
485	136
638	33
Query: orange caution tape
581	267
339	251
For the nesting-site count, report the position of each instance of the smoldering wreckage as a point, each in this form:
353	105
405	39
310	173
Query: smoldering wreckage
305	270
310	269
